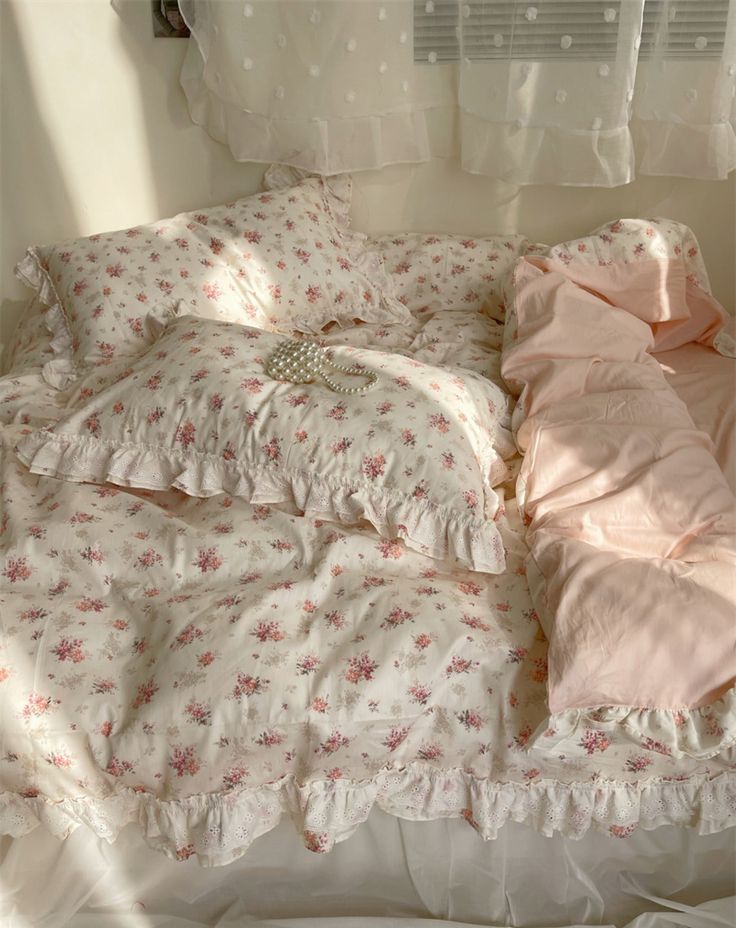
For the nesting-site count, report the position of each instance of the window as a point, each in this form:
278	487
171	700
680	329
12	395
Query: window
522	30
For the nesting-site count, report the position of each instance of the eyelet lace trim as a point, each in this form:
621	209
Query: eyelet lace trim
218	828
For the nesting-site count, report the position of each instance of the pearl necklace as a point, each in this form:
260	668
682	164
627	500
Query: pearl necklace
305	362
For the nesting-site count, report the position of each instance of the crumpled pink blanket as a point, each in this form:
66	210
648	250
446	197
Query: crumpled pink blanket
630	519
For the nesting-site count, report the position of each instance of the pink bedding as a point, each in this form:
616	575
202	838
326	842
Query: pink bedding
630	518
706	382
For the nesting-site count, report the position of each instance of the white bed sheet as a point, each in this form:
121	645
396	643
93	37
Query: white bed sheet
389	869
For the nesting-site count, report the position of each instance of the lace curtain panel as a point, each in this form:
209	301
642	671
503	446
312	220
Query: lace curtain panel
580	92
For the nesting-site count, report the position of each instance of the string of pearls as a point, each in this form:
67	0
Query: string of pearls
305	362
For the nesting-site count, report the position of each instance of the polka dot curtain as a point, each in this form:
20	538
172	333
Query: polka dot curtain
684	107
323	86
550	92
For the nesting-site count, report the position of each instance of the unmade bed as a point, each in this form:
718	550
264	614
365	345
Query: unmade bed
193	658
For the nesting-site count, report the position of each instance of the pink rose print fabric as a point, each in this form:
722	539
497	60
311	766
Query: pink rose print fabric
30	343
414	457
204	667
623	242
627	241
284	259
430	273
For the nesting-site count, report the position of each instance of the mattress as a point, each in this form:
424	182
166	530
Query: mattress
399	780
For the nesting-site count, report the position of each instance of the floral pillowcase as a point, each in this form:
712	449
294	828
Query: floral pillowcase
622	242
414	457
629	240
437	272
282	260
30	342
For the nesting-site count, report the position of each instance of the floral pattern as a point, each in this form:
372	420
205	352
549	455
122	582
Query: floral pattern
30	345
415	457
282	259
626	240
430	273
240	663
620	242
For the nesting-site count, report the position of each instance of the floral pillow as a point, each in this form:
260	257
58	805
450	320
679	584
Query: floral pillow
283	260
436	272
627	240
624	241
414	456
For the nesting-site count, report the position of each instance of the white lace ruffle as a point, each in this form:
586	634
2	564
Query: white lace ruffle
218	828
698	733
335	193
680	732
33	274
436	531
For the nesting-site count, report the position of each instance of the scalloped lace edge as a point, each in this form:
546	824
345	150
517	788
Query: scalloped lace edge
336	196
337	193
681	731
218	828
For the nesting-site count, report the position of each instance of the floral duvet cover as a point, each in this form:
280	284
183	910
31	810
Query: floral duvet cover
204	667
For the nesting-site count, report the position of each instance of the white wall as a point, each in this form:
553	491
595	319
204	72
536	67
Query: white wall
95	135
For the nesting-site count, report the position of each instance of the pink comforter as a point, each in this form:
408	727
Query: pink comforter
630	518
706	382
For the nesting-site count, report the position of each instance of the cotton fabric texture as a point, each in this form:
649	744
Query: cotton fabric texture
431	273
631	241
631	521
415	457
203	669
281	260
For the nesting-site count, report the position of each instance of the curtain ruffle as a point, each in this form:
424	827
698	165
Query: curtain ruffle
315	144
706	152
522	155
334	87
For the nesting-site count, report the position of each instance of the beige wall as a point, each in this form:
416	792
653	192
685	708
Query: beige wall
95	135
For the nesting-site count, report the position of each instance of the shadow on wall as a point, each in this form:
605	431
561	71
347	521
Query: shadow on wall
48	194
162	103
181	153
405	197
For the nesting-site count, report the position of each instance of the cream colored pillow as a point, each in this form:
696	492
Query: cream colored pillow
282	260
414	457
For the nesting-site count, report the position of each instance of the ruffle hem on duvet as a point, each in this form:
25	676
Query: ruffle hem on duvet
217	828
700	733
435	531
674	732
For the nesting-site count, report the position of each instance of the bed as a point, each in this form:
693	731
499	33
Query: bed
202	667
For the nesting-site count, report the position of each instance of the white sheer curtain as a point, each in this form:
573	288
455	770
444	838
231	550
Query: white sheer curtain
551	92
324	86
684	102
553	119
